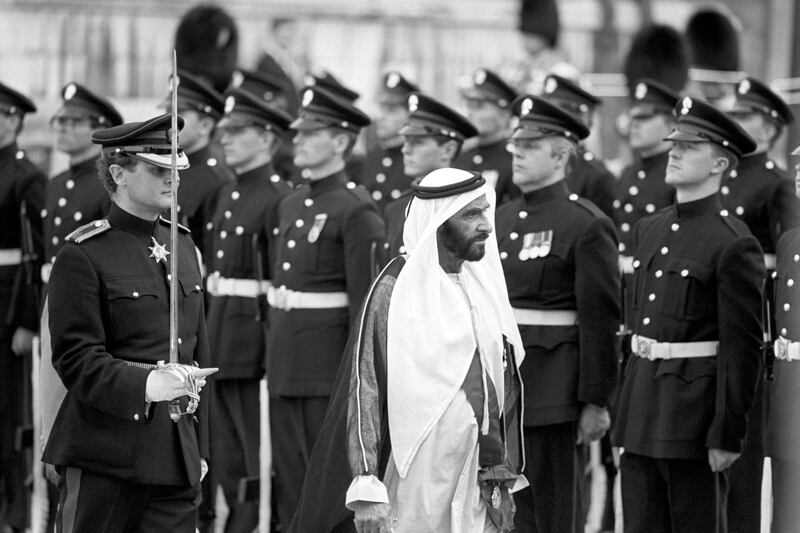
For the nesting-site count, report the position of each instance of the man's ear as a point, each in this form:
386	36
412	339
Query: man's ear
720	165
118	175
450	149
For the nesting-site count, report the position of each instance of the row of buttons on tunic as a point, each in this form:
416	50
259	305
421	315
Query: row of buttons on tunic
789	283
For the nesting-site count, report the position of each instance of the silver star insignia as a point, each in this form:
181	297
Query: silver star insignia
159	251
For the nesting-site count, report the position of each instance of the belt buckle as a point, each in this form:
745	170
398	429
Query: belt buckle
282	298
644	349
213	283
781	348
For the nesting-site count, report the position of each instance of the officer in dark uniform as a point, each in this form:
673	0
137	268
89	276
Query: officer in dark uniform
124	464
384	175
201	107
22	193
327	234
488	100
687	388
762	196
76	196
277	92
354	164
590	178
239	274
783	430
559	255
641	189
432	138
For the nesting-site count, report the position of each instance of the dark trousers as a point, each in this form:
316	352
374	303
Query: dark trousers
747	473
103	504
295	425
234	447
672	495
13	466
785	495
554	467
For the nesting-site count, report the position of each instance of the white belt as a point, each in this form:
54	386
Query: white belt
45	272
652	349
770	261
786	350
10	256
539	317
287	299
626	264
245	288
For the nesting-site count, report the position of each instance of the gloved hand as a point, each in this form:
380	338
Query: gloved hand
173	381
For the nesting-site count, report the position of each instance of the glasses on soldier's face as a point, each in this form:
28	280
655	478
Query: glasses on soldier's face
66	122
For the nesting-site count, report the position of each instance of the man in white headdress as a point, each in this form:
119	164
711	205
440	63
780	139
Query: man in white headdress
427	407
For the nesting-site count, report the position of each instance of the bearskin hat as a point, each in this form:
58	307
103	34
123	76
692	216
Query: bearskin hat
713	40
540	17
657	52
207	44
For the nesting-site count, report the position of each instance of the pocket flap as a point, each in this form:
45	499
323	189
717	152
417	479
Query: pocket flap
190	285
688	369
132	288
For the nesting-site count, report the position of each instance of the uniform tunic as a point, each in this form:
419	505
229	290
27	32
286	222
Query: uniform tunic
590	179
384	175
698	274
108	305
760	194
641	191
197	194
493	161
245	215
326	237
783	429
21	183
565	366
74	197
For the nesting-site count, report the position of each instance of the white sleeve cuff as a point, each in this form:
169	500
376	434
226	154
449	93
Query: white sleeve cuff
366	489
520	483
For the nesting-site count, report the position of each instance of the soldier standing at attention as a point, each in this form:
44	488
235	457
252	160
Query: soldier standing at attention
239	273
201	107
432	138
488	100
125	465
783	430
590	178
76	196
559	256
325	241
384	173
690	383
762	196
641	187
22	193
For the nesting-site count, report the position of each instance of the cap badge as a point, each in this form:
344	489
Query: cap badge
237	79
480	77
550	85
269	96
641	91
308	96
744	86
69	91
230	103
392	79
686	106
413	103
309	79
527	107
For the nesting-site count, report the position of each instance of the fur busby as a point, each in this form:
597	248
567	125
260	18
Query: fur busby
540	17
713	38
207	44
657	52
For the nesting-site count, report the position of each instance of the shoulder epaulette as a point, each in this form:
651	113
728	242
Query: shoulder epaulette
165	222
87	231
586	204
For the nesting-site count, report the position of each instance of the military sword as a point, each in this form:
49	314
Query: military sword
174	405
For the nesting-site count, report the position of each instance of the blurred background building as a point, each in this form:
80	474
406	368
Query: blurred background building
121	48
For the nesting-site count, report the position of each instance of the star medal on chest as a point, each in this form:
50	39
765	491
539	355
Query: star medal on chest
158	251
